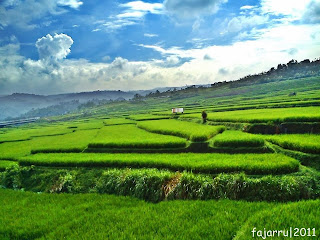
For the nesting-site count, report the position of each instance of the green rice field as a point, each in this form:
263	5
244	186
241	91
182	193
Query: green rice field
206	163
129	136
71	142
298	114
308	143
157	165
193	131
26	215
235	139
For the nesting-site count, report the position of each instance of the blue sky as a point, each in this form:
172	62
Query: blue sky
56	46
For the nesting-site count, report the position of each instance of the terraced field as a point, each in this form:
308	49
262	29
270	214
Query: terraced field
298	114
308	143
72	142
129	136
205	163
55	158
235	139
194	132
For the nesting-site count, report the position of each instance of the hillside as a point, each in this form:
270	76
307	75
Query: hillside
287	86
301	78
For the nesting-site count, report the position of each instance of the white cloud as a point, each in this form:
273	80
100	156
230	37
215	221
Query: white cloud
132	14
139	6
246	7
293	10
229	62
312	13
54	48
70	3
119	63
192	8
236	24
150	35
172	60
21	13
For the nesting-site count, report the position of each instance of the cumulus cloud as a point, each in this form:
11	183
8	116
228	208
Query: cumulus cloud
192	8
54	48
172	60
275	45
119	63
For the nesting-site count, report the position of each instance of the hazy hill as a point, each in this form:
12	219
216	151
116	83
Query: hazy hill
280	80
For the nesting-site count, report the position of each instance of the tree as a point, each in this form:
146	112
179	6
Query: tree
137	96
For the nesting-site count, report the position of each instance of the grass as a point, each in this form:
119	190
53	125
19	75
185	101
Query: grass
72	142
193	131
85	125
205	163
26	215
143	117
308	143
129	136
235	139
4	164
118	121
295	215
21	134
297	114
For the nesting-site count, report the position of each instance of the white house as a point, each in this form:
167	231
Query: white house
177	110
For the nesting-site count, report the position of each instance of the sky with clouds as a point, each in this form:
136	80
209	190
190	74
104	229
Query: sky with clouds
59	46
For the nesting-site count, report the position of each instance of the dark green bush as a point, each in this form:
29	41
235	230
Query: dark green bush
154	185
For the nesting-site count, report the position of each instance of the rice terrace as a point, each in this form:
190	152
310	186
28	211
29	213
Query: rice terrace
228	148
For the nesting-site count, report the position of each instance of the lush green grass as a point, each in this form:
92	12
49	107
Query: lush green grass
207	163
129	136
85	125
4	164
298	114
25	215
309	143
193	131
143	117
235	139
117	121
22	133
72	142
295	215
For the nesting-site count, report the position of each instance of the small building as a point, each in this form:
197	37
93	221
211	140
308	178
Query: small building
177	110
